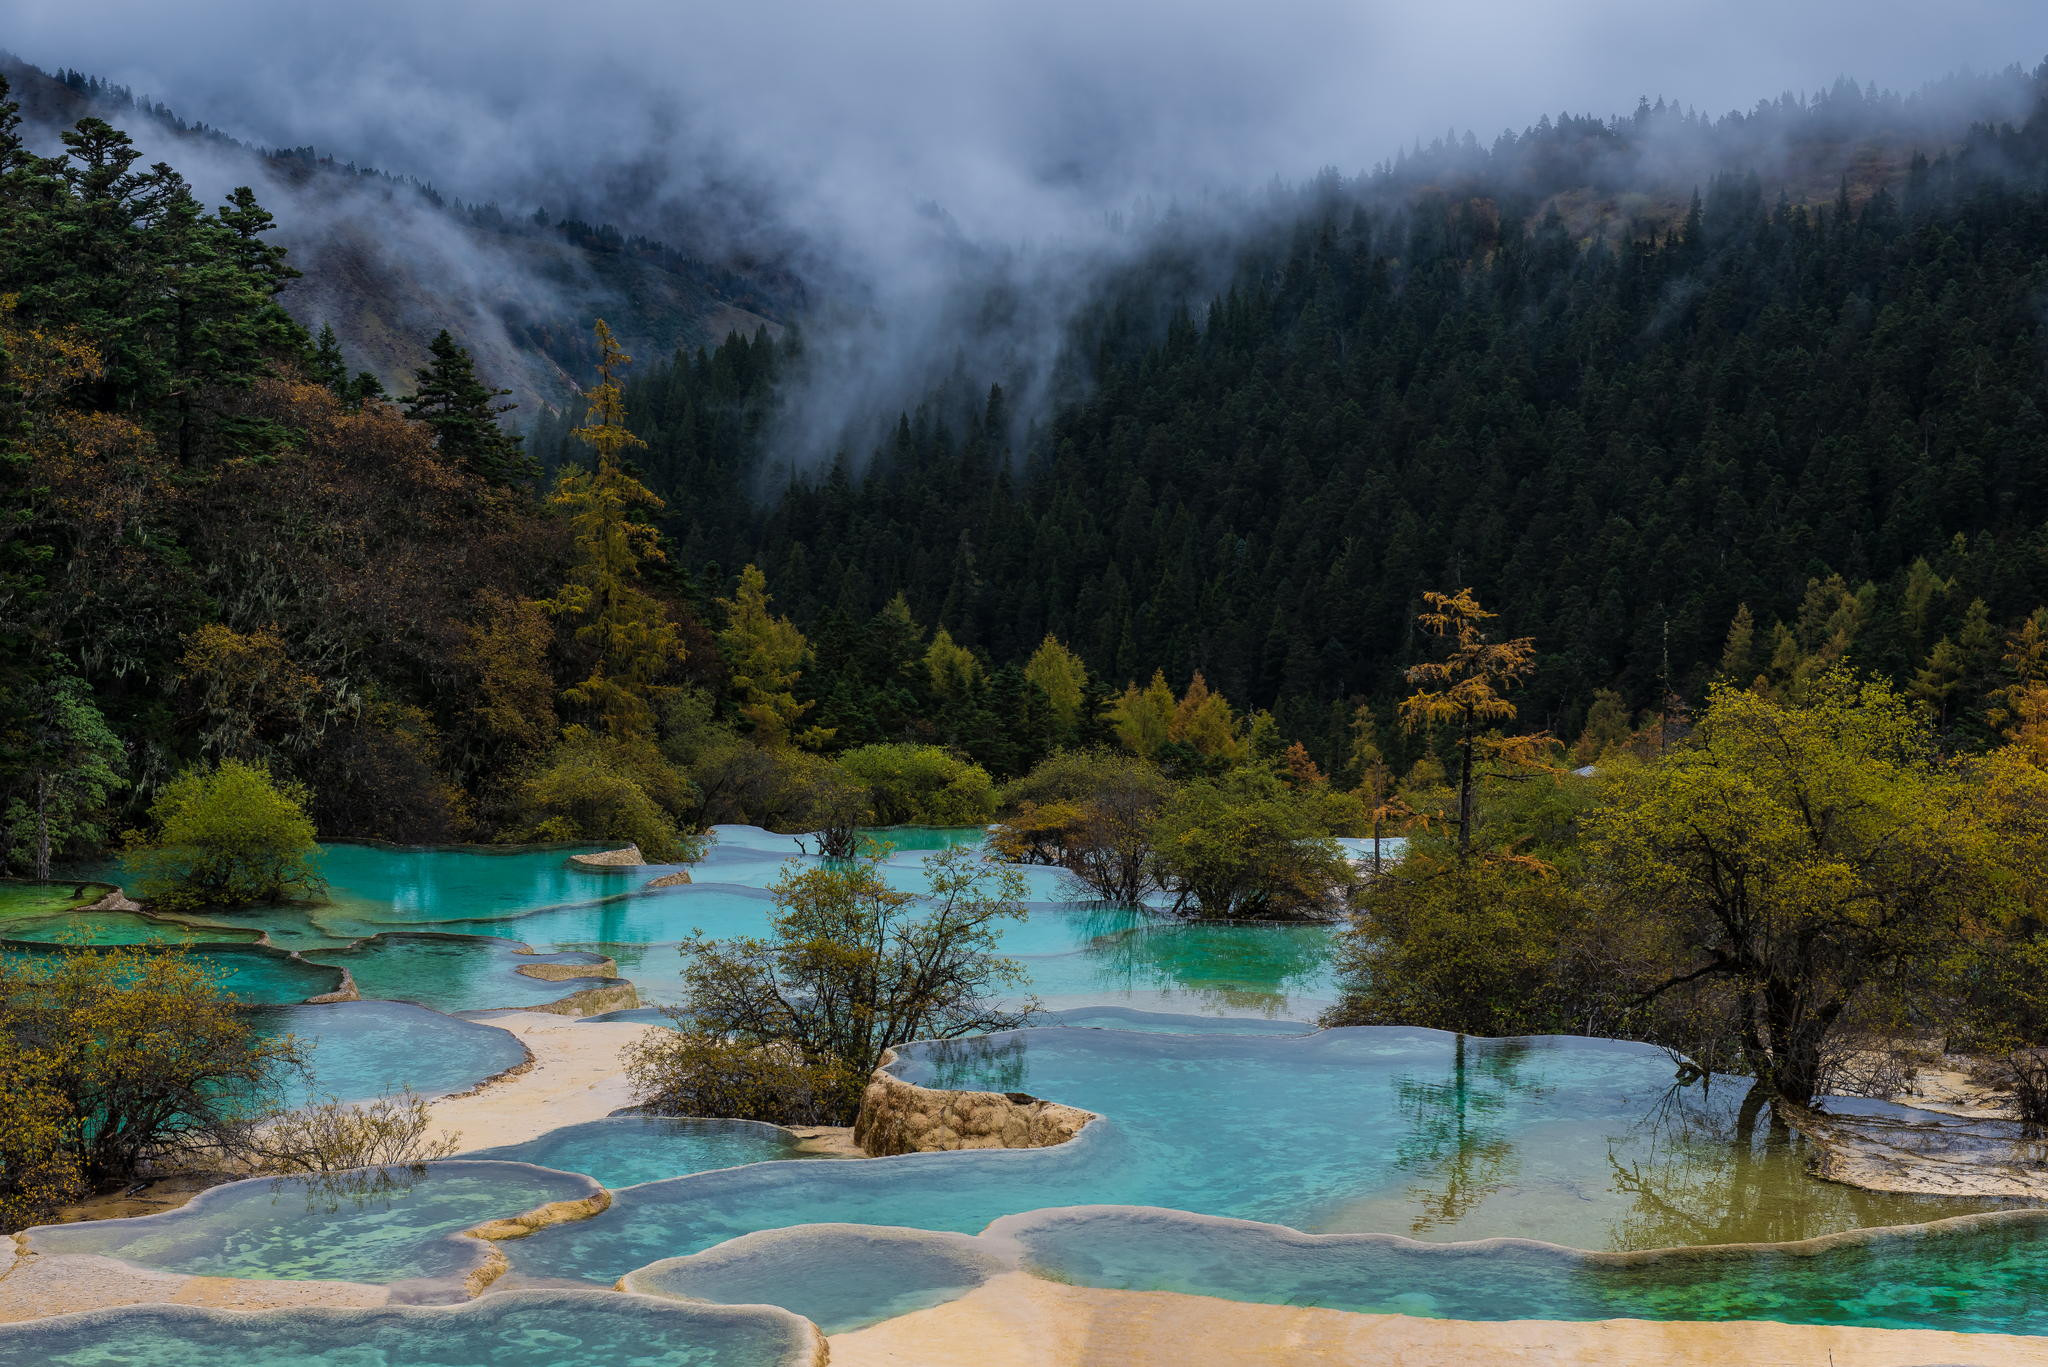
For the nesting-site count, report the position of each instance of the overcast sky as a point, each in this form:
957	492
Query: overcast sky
994	110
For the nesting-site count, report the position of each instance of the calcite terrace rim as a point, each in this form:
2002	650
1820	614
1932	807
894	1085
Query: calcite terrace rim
1817	1244
808	1348
483	1262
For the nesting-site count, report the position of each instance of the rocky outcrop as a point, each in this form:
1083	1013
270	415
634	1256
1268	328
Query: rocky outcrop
347	992
593	1001
901	1117
560	972
671	880
627	858
1936	1156
115	900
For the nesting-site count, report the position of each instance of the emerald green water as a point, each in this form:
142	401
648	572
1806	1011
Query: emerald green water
117	928
21	898
548	1329
451	973
256	976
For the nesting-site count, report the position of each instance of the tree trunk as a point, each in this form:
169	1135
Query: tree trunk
43	825
1465	789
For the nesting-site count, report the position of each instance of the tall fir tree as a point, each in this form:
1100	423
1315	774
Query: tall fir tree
464	413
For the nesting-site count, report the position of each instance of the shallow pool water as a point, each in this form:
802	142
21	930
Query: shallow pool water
535	1329
394	1226
840	1277
624	1150
1580	1142
117	928
24	897
254	974
1968	1276
1074	955
456	972
360	1050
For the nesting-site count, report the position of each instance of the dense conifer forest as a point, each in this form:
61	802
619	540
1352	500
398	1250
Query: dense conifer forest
1739	435
1790	420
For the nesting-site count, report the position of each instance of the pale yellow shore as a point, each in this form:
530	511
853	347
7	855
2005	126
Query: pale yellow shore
1019	1321
576	1076
34	1286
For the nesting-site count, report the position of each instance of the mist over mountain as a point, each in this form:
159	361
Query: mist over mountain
950	186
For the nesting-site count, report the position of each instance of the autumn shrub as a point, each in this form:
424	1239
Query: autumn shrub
698	1075
334	1136
1247	846
788	1026
135	1058
596	790
39	1131
228	835
922	785
1091	813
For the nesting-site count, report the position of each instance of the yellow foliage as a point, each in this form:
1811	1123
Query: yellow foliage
766	655
1059	674
1143	720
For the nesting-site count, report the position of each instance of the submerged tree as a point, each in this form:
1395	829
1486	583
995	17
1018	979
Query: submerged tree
229	835
851	967
1814	859
145	1051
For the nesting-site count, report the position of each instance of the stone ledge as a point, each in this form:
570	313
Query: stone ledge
603	860
902	1117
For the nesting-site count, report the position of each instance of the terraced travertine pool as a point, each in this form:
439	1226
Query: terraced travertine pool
1238	1153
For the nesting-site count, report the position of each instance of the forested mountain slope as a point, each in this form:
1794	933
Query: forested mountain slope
1620	429
389	261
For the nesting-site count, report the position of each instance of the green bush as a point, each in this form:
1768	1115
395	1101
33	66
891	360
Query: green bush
597	790
922	785
685	1074
227	836
1249	846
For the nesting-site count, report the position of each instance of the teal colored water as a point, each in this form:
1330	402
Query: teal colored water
1967	1276
398	1227
455	973
1074	955
255	975
1582	1142
1157	1023
840	1277
1273	971
360	1050
624	1150
532	1329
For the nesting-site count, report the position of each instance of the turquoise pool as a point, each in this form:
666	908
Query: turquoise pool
1580	1142
360	1050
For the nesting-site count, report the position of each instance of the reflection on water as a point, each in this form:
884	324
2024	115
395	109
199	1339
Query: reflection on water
1589	1143
1275	971
1458	1147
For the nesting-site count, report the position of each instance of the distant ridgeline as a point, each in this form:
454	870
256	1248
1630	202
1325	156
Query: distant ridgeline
1791	416
389	260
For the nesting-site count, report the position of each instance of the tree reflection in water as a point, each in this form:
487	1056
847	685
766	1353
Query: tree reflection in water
1458	1142
1235	966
